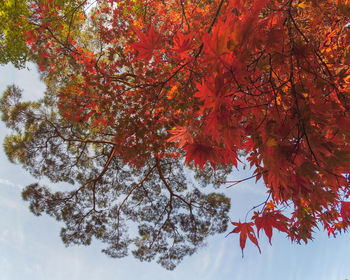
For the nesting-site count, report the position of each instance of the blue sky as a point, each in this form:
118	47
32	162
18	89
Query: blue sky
31	249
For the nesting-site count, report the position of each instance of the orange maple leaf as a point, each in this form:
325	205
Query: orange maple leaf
180	133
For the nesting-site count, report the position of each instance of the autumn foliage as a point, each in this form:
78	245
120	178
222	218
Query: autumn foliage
207	81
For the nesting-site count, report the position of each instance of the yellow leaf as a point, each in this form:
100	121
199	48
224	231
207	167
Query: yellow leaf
302	5
278	100
271	142
145	237
172	92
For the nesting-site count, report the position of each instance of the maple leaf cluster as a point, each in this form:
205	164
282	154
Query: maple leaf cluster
209	80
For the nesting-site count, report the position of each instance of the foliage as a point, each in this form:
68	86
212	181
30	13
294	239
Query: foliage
12	44
20	19
138	88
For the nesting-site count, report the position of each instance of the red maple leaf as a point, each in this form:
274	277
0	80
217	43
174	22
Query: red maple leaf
245	230
345	212
182	43
200	154
270	220
30	37
148	43
182	134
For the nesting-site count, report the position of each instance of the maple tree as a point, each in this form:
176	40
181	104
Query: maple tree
138	88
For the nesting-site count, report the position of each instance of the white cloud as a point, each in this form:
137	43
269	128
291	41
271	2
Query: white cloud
5	267
7	182
27	79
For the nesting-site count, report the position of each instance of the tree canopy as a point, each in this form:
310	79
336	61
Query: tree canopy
148	101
